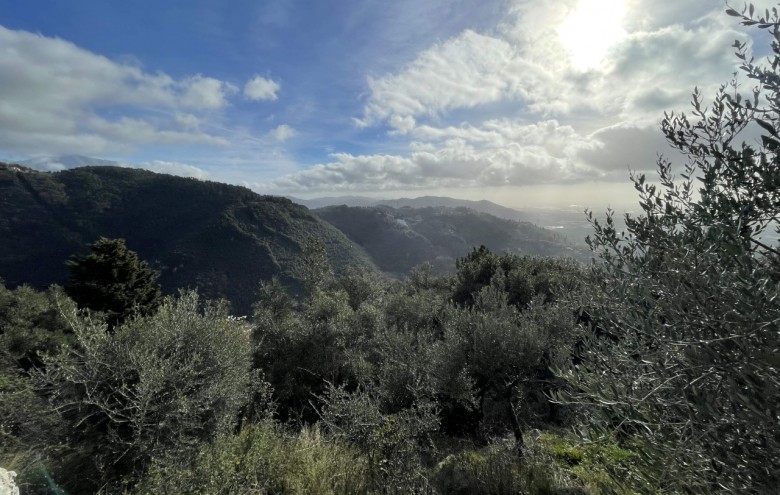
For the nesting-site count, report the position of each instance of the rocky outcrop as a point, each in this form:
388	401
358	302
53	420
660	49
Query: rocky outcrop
7	484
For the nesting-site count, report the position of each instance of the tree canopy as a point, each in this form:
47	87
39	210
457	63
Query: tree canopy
114	280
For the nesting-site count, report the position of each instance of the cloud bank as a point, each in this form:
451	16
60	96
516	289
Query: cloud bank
560	122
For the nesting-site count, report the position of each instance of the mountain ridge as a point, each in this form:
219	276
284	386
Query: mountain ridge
220	238
483	206
568	222
398	239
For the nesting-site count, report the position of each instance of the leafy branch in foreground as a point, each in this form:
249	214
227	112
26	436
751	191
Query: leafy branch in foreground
690	296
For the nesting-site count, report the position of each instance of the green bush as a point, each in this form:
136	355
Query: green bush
31	324
302	350
496	358
523	278
156	386
392	444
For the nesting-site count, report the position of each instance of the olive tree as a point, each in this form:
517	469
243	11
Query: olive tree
157	385
494	359
688	295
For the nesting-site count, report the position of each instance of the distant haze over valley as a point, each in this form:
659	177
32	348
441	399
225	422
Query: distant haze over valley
570	223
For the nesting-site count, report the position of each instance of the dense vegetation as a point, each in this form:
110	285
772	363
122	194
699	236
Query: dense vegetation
655	370
218	238
114	280
401	385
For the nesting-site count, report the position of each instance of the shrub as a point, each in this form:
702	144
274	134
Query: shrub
31	324
158	384
393	444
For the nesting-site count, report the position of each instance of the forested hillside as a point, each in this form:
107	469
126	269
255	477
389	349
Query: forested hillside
398	239
221	239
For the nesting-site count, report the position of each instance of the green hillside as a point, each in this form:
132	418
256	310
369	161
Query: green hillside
219	238
400	238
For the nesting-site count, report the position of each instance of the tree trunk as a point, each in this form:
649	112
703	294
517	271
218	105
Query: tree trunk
517	429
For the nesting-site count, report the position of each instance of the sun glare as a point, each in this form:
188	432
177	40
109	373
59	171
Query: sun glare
590	30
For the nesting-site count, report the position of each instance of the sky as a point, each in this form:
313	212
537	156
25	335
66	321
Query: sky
525	103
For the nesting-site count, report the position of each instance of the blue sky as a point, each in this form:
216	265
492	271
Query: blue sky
523	102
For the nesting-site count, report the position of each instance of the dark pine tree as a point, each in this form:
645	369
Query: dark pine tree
114	280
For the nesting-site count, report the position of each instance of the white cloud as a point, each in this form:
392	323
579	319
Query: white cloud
173	168
56	98
402	125
462	72
524	63
592	123
282	132
260	88
496	153
205	93
138	132
187	120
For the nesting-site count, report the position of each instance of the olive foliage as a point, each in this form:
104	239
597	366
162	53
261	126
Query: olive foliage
689	295
156	386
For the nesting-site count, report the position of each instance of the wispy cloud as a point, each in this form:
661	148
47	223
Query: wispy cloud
282	132
61	98
463	72
173	168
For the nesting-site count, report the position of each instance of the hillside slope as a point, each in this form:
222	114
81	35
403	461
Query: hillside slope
569	223
219	238
400	238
